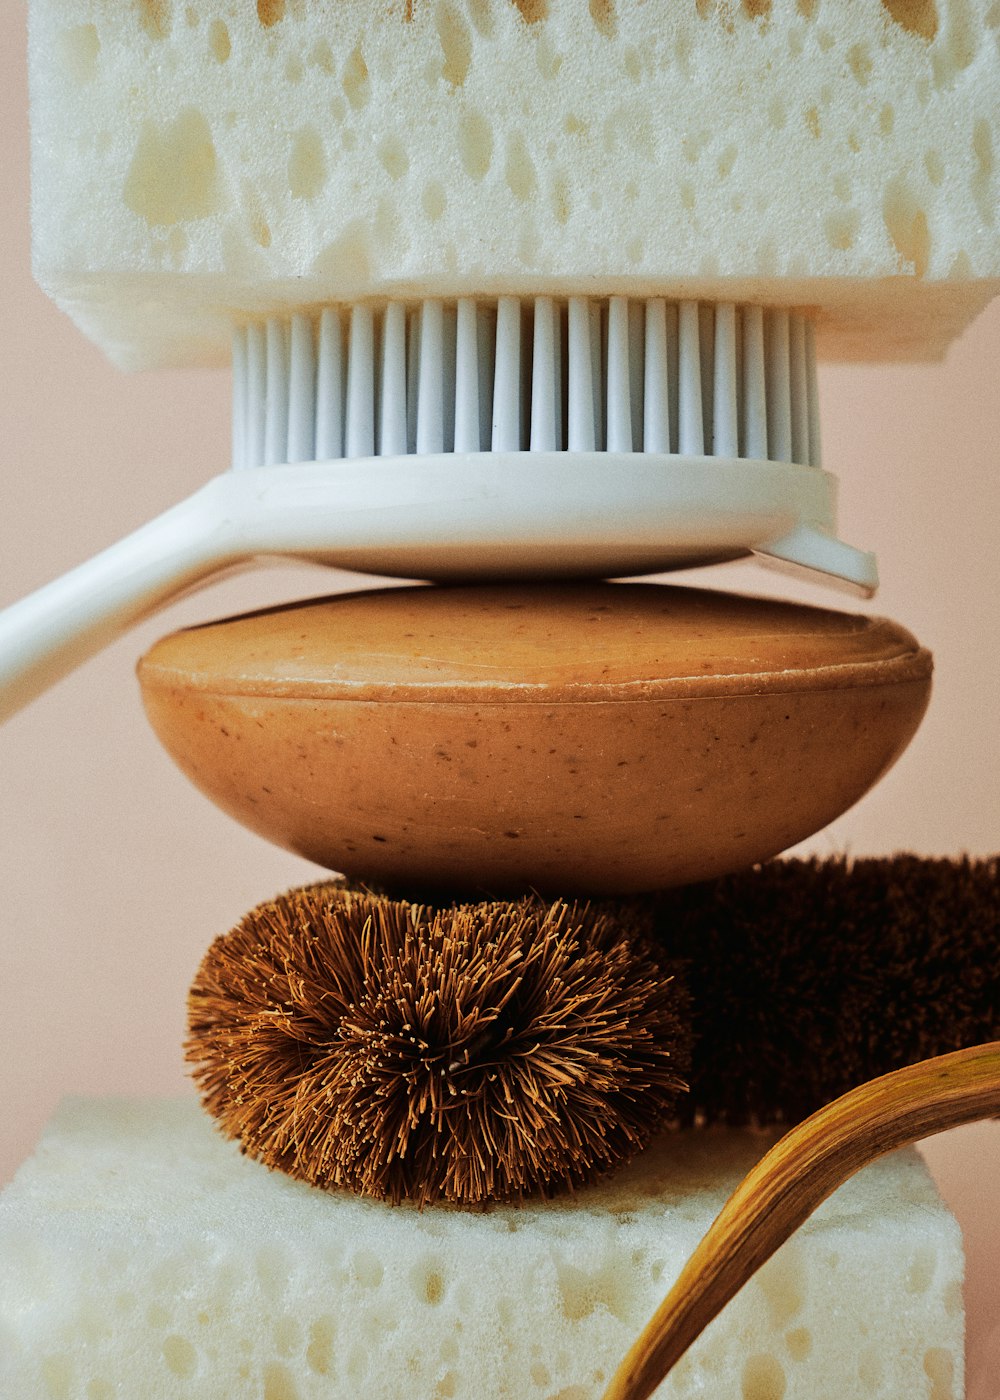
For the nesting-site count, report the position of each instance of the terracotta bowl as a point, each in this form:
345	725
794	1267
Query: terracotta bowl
577	738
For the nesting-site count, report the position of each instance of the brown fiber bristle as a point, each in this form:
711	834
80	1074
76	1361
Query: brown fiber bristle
808	978
470	1053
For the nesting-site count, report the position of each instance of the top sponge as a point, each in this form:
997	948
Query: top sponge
199	163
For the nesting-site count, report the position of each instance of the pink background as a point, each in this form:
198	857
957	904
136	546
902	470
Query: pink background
116	874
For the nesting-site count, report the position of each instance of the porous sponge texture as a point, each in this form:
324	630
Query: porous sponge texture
200	162
142	1255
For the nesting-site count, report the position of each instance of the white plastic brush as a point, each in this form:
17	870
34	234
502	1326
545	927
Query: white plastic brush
504	439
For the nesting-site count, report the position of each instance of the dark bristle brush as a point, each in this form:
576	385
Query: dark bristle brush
808	978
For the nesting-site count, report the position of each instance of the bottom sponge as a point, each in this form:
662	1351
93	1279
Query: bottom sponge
141	1255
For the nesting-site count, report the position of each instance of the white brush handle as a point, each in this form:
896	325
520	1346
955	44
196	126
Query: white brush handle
445	515
47	634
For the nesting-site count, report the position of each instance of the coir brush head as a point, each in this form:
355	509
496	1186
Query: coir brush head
808	978
467	1053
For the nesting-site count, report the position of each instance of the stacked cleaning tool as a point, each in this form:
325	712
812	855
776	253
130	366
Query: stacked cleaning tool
520	297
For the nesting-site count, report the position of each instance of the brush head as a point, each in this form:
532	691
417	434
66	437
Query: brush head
808	978
468	1053
538	438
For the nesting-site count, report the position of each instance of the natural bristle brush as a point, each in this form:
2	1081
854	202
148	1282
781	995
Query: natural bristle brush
511	438
671	1001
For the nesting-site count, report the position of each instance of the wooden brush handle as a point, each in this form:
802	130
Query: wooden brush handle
797	1175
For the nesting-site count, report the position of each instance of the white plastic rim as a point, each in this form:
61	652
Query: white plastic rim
533	515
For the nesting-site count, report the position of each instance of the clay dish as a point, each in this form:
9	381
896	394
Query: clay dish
576	738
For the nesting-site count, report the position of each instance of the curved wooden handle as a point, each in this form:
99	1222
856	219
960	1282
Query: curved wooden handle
798	1174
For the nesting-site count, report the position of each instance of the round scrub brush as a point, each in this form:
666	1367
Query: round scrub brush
470	1053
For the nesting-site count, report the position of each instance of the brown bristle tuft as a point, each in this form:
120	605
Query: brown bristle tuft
470	1053
810	977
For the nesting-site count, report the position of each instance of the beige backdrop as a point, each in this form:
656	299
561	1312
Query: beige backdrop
116	874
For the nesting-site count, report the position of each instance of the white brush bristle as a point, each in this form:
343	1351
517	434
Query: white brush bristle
516	375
